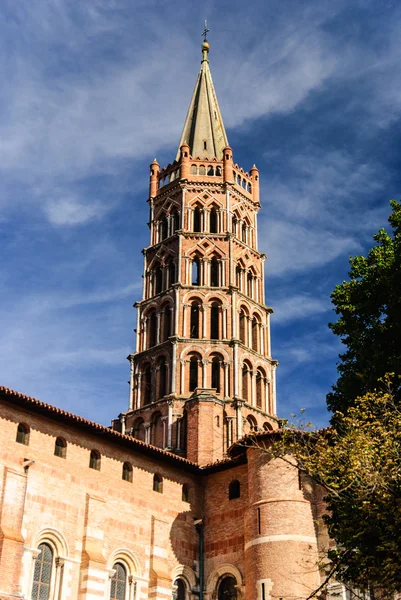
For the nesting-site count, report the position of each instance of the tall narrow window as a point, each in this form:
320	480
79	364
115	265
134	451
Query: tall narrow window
245	382
152	329
185	493
196	271
234	490
238	271
95	460
127	472
193	373
166	323
158	280
147	385
118	582
157	483
42	573
249	284
175	220
180	589
60	448
259	390
171	273
216	374
194	333
214	272
214	321
22	434
213	220
163	228
242	320
244	232
255	331
162	378
197	219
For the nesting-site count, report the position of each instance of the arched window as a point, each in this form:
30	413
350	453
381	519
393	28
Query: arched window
42	573
138	429
202	170
259	389
242	322
213	220
162	377
197	219
194	326
185	493
60	447
175	221
227	588
234	490
238	272
22	434
218	171
216	373
196	271
210	170
244	232
249	284
95	460
152	329
194	170
180	589
118	582
163	228
127	472
193	373
214	272
158	483
245	387
158	280
255	334
214	321
166	322
252	423
157	430
147	385
170	269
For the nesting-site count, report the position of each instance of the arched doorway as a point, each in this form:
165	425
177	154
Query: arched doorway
179	589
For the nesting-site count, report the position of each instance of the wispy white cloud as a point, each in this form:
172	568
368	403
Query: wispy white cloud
299	306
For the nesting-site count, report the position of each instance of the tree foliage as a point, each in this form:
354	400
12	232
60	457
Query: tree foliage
358	463
369	324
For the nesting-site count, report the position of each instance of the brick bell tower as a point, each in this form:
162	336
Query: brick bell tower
202	375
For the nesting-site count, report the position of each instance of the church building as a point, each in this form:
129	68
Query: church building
169	502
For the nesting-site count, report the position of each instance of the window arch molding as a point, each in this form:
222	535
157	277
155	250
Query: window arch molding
216	576
58	545
132	567
187	575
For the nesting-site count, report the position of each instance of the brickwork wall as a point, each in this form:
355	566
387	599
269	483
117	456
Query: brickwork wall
95	513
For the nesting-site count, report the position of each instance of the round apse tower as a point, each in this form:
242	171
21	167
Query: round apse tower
281	537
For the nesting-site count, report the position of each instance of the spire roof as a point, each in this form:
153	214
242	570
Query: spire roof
204	128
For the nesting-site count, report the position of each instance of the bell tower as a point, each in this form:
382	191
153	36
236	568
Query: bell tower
202	375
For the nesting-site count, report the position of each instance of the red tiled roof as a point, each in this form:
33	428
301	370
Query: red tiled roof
102	429
55	412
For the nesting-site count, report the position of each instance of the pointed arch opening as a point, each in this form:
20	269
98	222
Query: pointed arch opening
213	220
242	326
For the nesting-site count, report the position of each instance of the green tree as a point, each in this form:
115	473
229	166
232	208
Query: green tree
369	324
358	464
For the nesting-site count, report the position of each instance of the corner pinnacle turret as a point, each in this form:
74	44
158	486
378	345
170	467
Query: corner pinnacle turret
204	128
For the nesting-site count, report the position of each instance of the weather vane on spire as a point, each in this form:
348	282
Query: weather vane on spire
205	31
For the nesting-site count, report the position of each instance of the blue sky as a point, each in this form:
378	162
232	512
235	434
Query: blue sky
91	91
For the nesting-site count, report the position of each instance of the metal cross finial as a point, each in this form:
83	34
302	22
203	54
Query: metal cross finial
205	31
